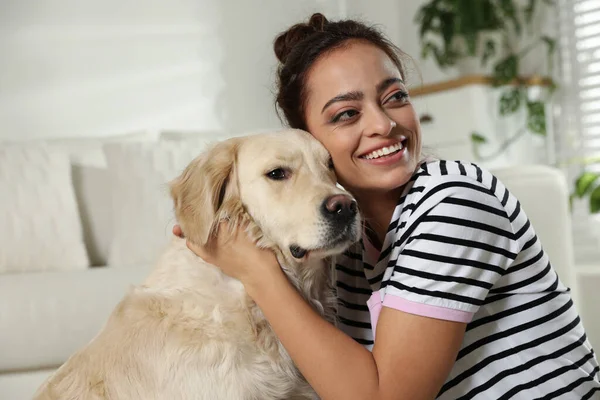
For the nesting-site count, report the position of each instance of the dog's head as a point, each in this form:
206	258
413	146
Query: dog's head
282	183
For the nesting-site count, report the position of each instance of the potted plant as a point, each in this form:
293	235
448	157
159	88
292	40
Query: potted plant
587	186
489	32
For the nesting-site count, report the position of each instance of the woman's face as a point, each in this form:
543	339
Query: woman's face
358	108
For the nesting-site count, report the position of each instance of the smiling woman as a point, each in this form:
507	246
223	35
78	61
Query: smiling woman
449	293
361	114
366	110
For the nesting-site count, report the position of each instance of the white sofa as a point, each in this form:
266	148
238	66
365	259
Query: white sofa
46	316
118	194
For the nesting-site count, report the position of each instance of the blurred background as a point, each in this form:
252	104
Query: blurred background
103	102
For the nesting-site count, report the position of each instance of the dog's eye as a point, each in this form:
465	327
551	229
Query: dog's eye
278	174
330	163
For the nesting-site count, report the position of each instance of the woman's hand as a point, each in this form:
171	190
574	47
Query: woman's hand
236	255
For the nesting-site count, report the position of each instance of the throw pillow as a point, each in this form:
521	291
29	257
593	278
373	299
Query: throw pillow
40	227
142	207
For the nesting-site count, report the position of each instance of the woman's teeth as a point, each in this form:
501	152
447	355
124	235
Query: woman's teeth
384	151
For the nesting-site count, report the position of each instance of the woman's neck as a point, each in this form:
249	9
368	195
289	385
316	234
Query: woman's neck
377	209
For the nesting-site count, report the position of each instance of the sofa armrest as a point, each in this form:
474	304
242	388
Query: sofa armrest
544	196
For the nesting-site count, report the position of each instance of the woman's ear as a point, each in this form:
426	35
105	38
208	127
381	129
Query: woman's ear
203	189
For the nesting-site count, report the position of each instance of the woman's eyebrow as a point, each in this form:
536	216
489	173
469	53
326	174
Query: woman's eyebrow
344	97
354	96
387	83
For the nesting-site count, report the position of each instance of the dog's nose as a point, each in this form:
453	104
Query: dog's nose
339	208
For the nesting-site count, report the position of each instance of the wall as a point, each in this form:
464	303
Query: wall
73	68
397	20
249	64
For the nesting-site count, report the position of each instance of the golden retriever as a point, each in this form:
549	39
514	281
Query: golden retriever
191	332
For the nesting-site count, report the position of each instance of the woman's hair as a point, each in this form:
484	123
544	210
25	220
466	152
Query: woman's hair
300	46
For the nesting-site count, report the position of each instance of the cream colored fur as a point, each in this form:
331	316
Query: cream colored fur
191	332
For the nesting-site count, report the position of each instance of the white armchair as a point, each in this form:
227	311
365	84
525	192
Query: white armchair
544	195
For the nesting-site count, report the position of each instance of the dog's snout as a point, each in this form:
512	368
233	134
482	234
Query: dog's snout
339	208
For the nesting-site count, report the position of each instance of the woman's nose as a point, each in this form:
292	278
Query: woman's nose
378	123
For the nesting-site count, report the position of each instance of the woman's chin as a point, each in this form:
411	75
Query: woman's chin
369	179
381	185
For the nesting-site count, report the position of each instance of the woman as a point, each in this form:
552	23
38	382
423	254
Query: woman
449	293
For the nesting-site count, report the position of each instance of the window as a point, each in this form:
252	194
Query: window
578	115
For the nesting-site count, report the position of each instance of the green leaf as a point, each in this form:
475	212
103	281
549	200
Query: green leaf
506	70
551	43
447	23
425	17
584	183
489	51
443	59
552	87
510	13
595	200
471	40
510	101
536	117
529	10
491	19
571	198
427	49
478	138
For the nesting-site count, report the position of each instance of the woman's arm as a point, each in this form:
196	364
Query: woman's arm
411	358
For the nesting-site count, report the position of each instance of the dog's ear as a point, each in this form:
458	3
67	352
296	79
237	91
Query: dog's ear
207	191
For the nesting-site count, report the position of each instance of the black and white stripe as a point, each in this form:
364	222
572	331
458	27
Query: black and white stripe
459	239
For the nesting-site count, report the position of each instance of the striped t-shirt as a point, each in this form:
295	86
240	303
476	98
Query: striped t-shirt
460	248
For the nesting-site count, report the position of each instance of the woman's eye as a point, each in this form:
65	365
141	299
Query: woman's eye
399	96
278	174
344	115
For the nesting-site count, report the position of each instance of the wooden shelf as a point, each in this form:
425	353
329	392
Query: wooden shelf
473	80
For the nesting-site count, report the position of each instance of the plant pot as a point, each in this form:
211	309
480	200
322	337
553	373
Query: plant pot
508	140
473	65
470	66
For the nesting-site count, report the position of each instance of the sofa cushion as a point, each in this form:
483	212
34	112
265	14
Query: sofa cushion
92	186
91	183
142	207
179	134
93	190
40	227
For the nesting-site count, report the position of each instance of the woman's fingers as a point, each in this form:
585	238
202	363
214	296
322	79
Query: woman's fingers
221	244
177	231
198	250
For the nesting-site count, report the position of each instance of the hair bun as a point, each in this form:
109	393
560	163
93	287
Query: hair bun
286	41
318	21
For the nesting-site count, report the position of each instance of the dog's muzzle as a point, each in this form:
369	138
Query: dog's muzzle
339	210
